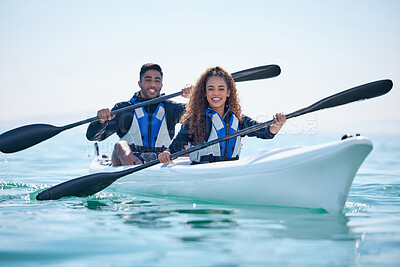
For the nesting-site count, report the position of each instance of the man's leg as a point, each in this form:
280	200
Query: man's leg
122	155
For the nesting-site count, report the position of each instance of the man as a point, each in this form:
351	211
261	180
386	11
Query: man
144	132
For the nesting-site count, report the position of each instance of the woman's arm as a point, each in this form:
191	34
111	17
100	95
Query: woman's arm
267	132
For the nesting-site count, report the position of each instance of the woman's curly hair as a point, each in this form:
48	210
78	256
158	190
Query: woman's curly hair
198	103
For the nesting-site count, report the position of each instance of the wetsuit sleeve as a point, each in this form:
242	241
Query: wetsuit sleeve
120	124
181	139
263	133
97	131
174	111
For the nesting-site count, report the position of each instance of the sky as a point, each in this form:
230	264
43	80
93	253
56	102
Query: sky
61	61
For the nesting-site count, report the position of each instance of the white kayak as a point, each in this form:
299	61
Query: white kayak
315	177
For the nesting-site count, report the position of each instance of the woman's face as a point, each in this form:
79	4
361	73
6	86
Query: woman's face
216	93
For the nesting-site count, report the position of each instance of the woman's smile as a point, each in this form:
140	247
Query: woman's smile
217	93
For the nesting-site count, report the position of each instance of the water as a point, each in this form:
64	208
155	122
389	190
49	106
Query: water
112	229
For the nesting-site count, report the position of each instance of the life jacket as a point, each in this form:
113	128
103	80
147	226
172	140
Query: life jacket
148	133
227	150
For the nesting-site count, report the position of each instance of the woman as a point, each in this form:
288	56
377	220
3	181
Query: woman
214	111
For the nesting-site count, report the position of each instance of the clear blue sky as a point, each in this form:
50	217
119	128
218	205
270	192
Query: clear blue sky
61	61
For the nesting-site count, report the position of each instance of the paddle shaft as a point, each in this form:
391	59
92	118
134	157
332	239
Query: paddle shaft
124	109
93	183
257	73
26	136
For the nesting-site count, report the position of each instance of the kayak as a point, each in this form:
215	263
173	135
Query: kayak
314	177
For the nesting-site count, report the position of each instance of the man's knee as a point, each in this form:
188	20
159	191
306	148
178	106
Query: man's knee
122	147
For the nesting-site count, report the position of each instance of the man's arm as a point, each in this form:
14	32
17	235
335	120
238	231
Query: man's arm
120	124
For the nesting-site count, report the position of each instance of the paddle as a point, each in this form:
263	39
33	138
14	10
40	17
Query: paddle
29	135
93	183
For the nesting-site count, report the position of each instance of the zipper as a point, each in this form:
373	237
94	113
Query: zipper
149	128
226	133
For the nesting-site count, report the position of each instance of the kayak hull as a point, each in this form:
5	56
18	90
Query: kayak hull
316	177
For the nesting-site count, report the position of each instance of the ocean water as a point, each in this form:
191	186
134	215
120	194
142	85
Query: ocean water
112	229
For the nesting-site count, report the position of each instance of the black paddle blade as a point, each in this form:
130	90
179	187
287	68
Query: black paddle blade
257	73
90	184
81	187
362	92
365	91
27	136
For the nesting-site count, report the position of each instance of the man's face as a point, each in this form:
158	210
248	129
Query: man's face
150	84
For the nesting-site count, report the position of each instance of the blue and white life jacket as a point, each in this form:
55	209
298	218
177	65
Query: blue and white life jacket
148	133
227	150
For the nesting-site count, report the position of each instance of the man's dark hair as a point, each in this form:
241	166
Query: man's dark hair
150	66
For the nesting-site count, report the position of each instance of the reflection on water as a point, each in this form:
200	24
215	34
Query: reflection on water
95	205
277	222
152	213
216	224
151	219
